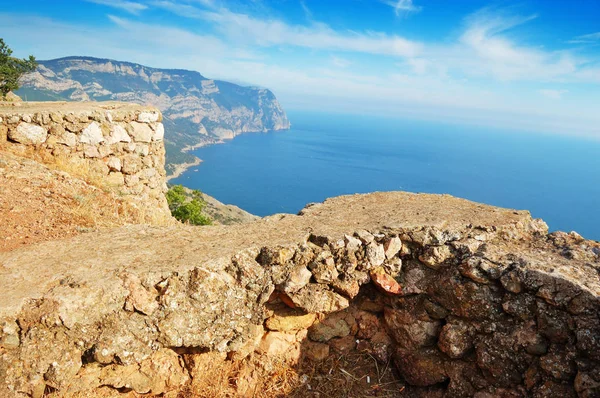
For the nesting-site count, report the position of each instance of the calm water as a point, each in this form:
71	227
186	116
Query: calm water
557	178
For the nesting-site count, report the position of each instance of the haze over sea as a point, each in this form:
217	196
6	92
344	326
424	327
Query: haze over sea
556	177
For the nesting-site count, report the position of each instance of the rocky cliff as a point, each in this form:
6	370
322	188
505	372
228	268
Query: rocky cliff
462	299
196	110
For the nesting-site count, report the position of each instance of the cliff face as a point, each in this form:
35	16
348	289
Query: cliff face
463	299
196	110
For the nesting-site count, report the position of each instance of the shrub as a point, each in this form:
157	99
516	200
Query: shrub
185	207
11	69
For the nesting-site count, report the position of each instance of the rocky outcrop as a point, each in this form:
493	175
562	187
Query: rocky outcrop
116	146
464	299
197	110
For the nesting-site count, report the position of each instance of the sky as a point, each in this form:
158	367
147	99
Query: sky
531	65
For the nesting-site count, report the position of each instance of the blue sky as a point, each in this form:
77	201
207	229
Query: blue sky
532	65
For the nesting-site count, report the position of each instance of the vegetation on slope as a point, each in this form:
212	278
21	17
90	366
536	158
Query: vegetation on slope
187	209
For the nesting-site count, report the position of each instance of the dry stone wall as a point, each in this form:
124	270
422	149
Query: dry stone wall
114	145
463	299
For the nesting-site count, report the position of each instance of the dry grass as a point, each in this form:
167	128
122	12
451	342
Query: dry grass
256	376
79	168
41	203
352	375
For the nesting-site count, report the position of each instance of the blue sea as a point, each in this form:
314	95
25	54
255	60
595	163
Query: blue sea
556	177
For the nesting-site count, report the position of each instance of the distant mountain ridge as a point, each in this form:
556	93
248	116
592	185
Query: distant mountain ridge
196	110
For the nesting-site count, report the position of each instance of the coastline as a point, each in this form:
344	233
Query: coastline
181	168
188	148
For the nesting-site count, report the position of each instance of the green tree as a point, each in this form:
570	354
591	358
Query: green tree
187	209
11	69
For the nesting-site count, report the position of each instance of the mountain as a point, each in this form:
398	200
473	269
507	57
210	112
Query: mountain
196	110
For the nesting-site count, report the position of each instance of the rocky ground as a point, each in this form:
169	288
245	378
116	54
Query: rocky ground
224	214
38	204
426	295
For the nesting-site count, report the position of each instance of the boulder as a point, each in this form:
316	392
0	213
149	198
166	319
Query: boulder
92	134
29	134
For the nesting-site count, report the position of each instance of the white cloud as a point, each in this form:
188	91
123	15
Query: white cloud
402	7
484	75
243	28
129	6
307	12
419	65
552	93
340	62
506	60
591	36
182	10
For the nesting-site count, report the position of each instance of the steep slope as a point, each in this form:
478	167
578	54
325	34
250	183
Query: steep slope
40	204
197	111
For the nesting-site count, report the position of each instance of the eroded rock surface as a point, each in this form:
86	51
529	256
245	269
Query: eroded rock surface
487	303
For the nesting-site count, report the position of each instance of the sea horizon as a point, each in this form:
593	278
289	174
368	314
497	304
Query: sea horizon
327	154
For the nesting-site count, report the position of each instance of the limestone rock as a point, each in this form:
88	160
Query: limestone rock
392	247
141	132
290	320
435	256
315	298
148	117
118	134
115	179
297	279
375	254
91	151
114	164
68	139
352	243
27	133
365	236
159	132
98	311
12	97
131	164
323	268
92	134
349	287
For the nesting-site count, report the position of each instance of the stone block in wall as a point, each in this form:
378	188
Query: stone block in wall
92	134
114	164
118	134
108	144
28	134
131	164
141	132
115	179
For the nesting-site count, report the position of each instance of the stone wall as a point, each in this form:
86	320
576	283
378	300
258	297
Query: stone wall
463	299
113	145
